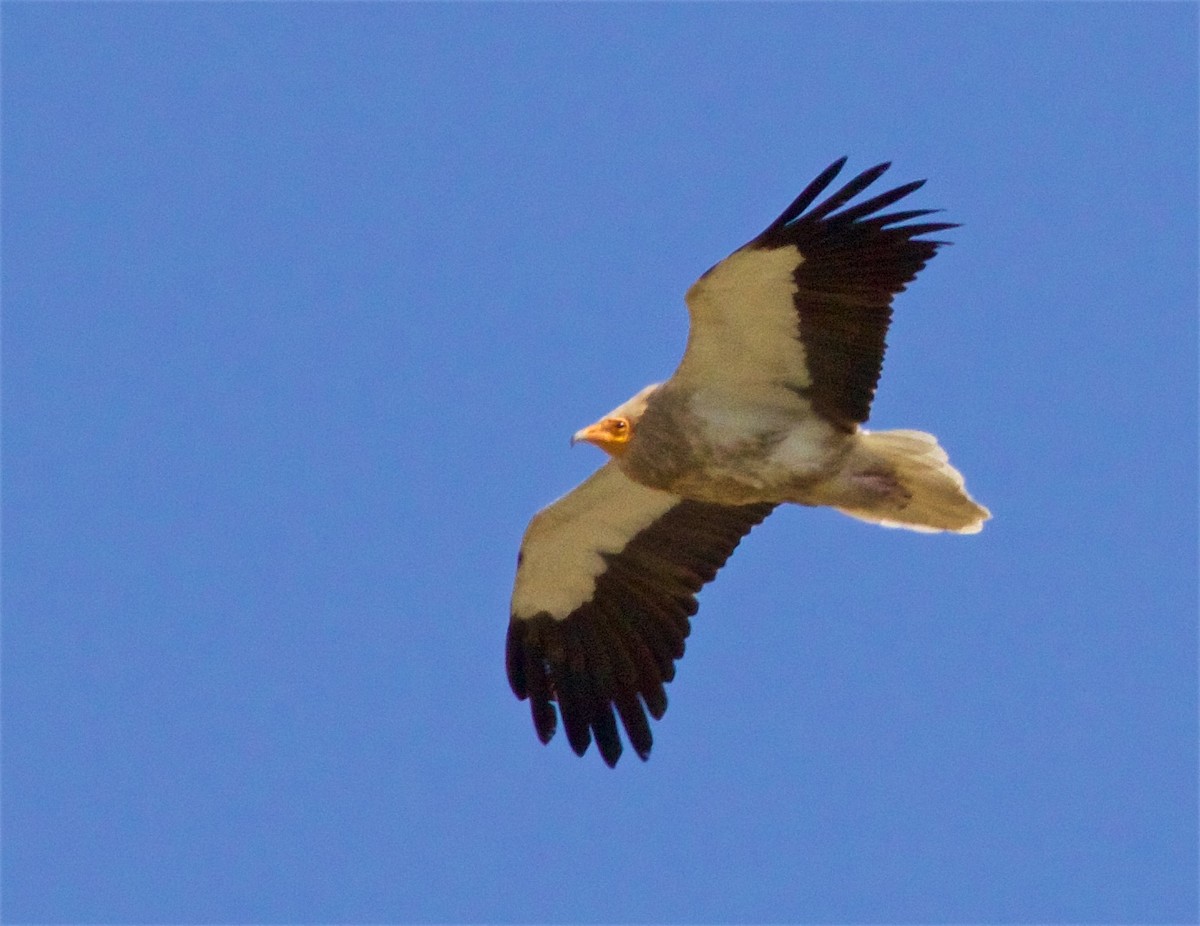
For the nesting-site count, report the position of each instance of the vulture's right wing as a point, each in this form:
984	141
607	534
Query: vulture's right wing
606	581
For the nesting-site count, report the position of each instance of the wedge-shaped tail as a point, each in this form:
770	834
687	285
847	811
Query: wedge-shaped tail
904	479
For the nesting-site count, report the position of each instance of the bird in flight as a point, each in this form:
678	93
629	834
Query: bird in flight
783	355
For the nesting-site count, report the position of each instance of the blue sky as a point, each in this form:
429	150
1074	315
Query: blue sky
301	304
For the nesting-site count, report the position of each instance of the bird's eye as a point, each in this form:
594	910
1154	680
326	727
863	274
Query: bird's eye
618	424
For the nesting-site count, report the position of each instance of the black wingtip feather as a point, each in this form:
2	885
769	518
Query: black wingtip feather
927	227
637	727
882	201
604	730
892	218
848	192
810	193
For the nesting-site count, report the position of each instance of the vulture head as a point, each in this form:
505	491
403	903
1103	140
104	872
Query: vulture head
613	432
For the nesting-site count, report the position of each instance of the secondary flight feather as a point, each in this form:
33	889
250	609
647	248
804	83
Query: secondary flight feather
783	357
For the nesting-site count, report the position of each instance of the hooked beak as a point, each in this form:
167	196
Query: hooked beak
592	434
606	435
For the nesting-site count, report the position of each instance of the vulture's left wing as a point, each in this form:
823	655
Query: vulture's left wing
806	305
606	581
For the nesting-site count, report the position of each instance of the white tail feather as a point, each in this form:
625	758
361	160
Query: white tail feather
904	479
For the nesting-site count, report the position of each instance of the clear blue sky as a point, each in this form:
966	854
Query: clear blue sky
301	304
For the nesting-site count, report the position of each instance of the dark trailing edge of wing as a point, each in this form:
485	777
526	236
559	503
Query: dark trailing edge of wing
855	261
617	650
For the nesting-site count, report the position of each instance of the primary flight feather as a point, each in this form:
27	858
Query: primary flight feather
783	356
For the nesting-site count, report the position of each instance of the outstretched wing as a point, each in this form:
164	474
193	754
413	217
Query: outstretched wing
606	583
806	305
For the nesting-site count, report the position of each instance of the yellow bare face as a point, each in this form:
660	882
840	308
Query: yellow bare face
609	434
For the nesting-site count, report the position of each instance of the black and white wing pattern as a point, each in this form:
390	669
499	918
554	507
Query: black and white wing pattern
806	305
606	583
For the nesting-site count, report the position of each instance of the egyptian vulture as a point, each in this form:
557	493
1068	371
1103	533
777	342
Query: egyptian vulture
783	356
